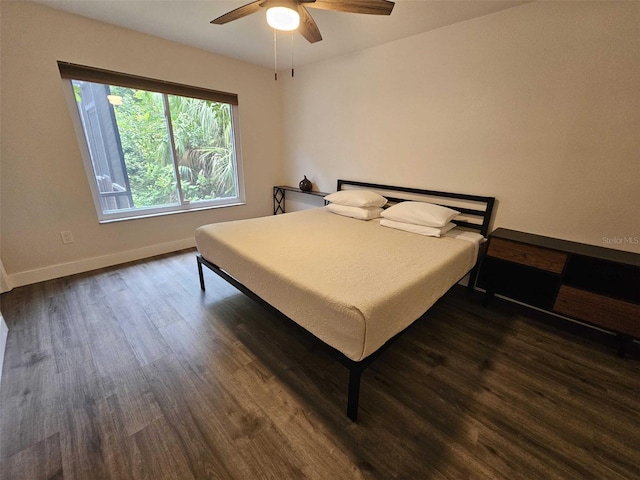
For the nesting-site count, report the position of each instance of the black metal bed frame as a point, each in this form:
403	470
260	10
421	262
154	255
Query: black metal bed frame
357	367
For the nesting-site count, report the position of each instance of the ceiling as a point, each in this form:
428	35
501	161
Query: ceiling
250	39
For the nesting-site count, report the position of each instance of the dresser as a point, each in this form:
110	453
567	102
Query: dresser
595	285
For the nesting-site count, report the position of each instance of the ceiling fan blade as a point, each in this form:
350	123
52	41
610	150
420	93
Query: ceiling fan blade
308	28
239	12
372	7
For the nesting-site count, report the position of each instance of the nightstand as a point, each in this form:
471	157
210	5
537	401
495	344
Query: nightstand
596	285
279	193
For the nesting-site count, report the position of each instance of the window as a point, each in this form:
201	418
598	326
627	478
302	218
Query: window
154	147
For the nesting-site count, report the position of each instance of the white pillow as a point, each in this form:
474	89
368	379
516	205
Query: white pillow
361	213
357	198
419	229
420	213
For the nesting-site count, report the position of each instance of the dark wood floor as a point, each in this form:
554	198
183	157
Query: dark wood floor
133	373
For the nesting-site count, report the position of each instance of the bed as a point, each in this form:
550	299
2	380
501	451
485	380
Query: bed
354	284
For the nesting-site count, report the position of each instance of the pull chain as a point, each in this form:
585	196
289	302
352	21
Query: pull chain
275	55
292	53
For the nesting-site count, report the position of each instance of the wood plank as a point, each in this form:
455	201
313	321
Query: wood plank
139	277
41	461
158	454
144	338
29	384
203	438
92	439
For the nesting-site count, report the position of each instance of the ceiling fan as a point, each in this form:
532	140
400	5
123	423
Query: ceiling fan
293	14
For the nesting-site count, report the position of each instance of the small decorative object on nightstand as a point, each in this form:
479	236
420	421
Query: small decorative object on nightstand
305	184
596	285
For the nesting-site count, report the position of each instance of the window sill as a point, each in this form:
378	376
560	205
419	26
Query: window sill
171	212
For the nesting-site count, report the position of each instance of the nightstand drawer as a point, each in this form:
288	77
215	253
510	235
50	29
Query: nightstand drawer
530	255
623	317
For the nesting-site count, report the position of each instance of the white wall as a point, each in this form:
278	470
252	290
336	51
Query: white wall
538	105
43	188
4	286
4	331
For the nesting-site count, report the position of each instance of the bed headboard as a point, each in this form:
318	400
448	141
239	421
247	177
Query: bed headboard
475	210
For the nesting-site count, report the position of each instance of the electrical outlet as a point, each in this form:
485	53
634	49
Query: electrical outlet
67	237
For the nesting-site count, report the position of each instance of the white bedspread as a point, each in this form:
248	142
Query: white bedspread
354	284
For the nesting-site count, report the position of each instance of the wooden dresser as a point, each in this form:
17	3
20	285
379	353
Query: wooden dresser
596	285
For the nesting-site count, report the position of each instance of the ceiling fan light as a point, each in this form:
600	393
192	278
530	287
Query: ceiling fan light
283	18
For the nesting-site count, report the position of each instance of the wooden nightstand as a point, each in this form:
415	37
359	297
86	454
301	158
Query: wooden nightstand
596	285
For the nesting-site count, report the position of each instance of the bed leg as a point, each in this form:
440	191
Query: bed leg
355	372
200	273
473	275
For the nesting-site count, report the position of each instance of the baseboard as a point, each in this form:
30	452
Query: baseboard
85	265
5	286
4	333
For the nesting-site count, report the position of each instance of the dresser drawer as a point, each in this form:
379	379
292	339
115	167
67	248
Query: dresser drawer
530	255
623	317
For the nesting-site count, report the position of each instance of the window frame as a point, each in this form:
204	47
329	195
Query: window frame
70	72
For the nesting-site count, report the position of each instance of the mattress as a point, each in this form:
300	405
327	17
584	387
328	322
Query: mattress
353	284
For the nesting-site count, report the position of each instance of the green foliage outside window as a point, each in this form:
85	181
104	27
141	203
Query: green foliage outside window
202	132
